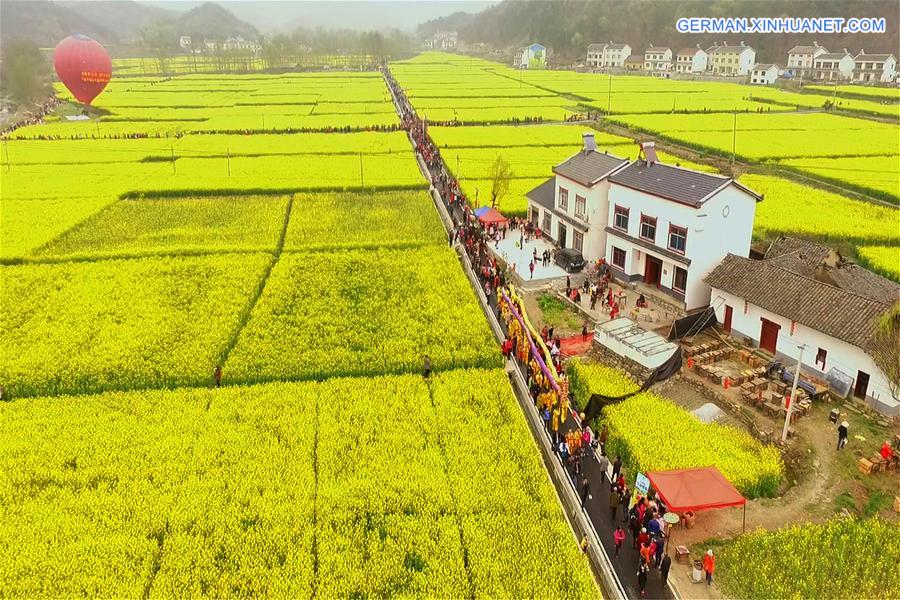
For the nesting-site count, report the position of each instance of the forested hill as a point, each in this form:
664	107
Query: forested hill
568	26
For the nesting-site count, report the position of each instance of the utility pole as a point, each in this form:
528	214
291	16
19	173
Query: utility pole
609	90
733	137
790	408
361	181
263	120
228	154
834	95
173	158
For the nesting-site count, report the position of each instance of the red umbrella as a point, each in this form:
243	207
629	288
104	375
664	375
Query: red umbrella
83	65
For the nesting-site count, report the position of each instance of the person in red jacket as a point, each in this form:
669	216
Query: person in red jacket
709	565
618	538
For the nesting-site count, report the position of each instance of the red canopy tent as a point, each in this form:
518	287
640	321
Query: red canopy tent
492	215
696	489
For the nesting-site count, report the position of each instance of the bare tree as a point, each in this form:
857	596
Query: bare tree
885	347
500	176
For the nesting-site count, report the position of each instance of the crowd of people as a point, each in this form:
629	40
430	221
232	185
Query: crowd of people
34	116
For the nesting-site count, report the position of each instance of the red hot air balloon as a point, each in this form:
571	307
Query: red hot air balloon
83	65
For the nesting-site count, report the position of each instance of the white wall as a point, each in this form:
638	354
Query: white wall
699	62
840	355
711	233
746	61
596	211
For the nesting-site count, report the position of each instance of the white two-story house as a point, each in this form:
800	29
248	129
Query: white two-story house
801	59
668	226
833	66
657	58
571	208
691	60
604	56
764	74
595	55
875	67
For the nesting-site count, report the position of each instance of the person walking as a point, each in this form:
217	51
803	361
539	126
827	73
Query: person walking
643	569
614	501
531	268
843	432
660	547
604	466
217	375
585	490
664	567
617	464
709	566
604	434
618	538
426	370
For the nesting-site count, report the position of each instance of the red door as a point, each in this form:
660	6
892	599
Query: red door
768	336
652	270
729	312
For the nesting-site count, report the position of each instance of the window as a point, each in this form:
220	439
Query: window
548	221
820	357
680	282
620	219
563	198
578	241
618	259
580	206
648	228
677	238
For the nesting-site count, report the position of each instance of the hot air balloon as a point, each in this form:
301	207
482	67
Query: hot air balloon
83	65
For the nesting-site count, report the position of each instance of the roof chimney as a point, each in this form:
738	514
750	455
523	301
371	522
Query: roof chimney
648	152
862	50
589	144
742	43
698	46
816	44
845	51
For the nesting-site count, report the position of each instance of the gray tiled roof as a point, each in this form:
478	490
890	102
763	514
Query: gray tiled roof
764	67
864	57
822	263
543	194
804	49
832	56
616	46
674	183
658	48
587	168
728	49
820	306
595	47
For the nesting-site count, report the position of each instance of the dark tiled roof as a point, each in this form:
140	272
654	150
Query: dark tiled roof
823	264
616	46
763	67
658	49
587	168
832	56
688	51
674	183
635	58
825	308
543	194
594	47
864	57
804	49
728	49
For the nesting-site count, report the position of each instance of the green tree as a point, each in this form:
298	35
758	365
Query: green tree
24	73
885	347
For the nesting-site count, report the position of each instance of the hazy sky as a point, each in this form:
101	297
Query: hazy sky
272	15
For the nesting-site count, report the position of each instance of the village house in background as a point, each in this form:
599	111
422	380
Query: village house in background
803	293
571	208
833	66
669	226
801	59
635	62
763	74
691	60
442	40
606	56
874	68
533	56
731	60
657	58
